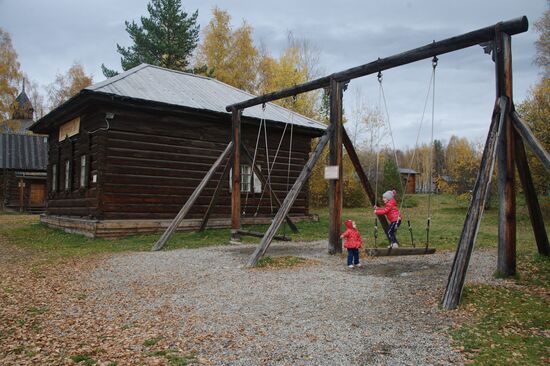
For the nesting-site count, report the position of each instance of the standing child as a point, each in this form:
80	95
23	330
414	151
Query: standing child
352	242
392	213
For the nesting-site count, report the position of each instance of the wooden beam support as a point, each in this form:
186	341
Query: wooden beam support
290	198
363	178
189	203
266	184
506	262
535	214
513	26
216	195
335	189
529	138
465	245
236	174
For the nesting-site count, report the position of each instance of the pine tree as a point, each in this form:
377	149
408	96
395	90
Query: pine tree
166	38
391	177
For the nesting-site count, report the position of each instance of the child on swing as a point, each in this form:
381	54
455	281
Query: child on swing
352	242
392	214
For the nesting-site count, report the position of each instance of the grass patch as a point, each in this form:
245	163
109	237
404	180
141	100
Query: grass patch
37	310
177	360
509	325
447	218
151	341
86	359
280	262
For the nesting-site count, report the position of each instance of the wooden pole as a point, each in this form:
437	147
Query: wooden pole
363	177
455	283
266	184
513	26
187	206
335	159
530	139
236	176
535	214
506	262
290	198
216	195
21	194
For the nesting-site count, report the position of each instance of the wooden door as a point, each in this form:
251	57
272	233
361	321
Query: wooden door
37	194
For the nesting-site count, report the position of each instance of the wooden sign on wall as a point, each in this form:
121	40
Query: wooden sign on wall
69	129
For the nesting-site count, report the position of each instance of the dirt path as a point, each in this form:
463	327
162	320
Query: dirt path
201	306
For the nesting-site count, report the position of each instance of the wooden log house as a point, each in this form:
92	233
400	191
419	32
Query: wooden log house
23	160
125	154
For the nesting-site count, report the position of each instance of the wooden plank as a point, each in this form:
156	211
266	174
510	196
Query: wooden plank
267	186
513	26
289	200
185	209
335	188
470	229
529	138
216	194
506	259
363	179
236	174
385	252
257	234
535	214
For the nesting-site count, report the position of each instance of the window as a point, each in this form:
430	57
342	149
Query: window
249	180
246	178
67	175
54	177
83	171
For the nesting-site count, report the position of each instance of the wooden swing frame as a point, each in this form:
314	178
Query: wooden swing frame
504	143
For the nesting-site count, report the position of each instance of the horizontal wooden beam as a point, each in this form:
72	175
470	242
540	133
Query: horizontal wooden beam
531	141
513	26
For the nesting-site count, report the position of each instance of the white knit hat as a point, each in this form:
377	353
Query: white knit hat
388	195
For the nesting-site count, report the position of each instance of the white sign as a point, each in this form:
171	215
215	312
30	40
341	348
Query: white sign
69	129
331	172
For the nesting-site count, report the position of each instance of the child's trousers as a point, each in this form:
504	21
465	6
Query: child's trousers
392	229
353	256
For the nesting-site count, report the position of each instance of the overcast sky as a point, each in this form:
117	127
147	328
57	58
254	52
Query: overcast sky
50	35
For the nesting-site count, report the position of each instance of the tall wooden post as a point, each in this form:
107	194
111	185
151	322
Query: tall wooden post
335	158
236	176
506	263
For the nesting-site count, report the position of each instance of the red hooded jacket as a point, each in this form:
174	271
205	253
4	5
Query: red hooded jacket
390	210
352	237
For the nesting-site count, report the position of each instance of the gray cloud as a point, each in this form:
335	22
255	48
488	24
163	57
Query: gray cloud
49	36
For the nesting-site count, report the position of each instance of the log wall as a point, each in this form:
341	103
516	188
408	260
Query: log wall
148	164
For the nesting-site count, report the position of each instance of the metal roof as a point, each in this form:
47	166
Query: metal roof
153	83
23	152
407	171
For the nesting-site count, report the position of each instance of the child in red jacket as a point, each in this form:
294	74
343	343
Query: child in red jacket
352	242
392	213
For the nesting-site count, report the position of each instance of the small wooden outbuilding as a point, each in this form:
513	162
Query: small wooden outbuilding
408	177
125	154
23	161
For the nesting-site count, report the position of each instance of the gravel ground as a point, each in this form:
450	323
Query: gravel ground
385	313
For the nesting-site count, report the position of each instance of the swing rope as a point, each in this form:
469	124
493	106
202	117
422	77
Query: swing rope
382	95
262	121
430	182
272	165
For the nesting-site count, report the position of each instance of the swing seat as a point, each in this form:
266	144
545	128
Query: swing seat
386	252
